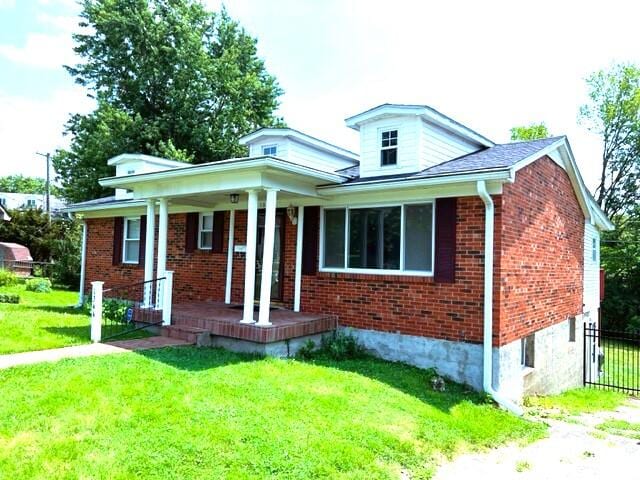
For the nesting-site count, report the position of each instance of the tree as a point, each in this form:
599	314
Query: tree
533	131
22	184
613	112
171	79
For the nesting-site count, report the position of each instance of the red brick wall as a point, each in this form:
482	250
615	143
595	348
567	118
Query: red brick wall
537	282
540	254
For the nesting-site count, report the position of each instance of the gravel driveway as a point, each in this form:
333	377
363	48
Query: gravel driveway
575	449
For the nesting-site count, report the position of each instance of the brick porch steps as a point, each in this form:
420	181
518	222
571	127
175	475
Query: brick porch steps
182	332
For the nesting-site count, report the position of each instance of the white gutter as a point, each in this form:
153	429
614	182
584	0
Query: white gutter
487	371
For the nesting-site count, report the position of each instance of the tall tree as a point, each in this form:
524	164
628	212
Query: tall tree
613	112
22	184
171	79
533	131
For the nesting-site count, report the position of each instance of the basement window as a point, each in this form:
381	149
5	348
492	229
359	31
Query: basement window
389	148
528	348
205	231
572	329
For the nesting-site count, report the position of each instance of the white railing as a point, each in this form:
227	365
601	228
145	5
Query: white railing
164	294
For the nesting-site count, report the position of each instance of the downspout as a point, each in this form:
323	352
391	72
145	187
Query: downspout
487	371
83	261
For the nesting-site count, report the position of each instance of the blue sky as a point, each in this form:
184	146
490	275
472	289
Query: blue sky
490	65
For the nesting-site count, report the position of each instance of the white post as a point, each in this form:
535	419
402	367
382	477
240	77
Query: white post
298	277
163	226
83	262
267	257
148	257
250	256
167	297
232	222
96	311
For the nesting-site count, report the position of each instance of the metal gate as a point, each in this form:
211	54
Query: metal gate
612	359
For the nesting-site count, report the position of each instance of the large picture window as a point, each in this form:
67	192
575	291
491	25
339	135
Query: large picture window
131	238
396	238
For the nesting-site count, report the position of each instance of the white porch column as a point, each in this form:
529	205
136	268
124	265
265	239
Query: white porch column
298	277
148	253
250	256
232	222
83	263
267	257
163	228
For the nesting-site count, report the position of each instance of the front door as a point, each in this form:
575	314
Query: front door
277	271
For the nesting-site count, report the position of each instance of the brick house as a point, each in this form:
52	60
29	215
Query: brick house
434	246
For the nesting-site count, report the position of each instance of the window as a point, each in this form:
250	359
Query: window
3	201
31	203
270	150
397	238
130	172
131	250
528	345
389	148
594	250
205	232
572	329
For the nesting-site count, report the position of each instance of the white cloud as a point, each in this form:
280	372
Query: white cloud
42	51
7	3
28	126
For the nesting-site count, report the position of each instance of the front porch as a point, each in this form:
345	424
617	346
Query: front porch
218	319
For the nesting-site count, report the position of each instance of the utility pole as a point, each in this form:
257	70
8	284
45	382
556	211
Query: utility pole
47	184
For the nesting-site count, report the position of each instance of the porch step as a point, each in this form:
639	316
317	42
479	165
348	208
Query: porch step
183	332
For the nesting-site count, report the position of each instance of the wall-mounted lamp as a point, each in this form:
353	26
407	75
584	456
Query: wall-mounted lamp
292	213
234	197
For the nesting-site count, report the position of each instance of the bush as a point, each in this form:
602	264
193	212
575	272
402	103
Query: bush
39	285
306	351
340	345
115	309
9	298
7	278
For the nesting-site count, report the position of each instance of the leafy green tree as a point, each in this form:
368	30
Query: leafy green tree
171	79
533	131
613	112
23	184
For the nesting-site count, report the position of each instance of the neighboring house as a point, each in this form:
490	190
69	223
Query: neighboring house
434	245
21	201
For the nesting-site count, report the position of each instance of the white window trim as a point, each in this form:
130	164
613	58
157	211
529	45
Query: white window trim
201	230
378	271
264	147
125	239
380	132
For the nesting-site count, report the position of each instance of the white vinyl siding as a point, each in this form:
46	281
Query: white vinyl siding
131	240
591	268
437	145
407	159
300	154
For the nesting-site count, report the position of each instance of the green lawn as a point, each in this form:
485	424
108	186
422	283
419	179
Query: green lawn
41	320
207	413
621	364
579	400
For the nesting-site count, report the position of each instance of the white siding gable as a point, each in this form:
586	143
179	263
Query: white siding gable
591	291
438	145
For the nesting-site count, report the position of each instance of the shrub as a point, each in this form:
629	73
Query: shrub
40	285
341	345
7	278
115	309
9	298
306	351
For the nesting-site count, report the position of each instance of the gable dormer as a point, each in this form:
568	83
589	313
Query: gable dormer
136	163
299	148
401	139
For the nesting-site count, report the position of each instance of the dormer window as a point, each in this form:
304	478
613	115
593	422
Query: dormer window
270	150
389	147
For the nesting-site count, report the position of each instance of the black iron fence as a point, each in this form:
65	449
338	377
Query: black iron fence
132	307
612	360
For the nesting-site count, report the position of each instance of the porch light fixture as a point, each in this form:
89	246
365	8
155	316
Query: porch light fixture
292	214
234	197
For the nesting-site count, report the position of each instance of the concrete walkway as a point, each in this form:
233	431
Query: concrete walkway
92	349
574	450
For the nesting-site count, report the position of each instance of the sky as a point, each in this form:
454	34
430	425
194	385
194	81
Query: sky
490	65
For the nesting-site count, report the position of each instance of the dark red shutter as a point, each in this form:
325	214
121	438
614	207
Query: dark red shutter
310	234
118	229
218	232
143	239
445	260
191	232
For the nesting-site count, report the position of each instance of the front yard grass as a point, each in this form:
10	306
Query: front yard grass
41	321
579	400
208	413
